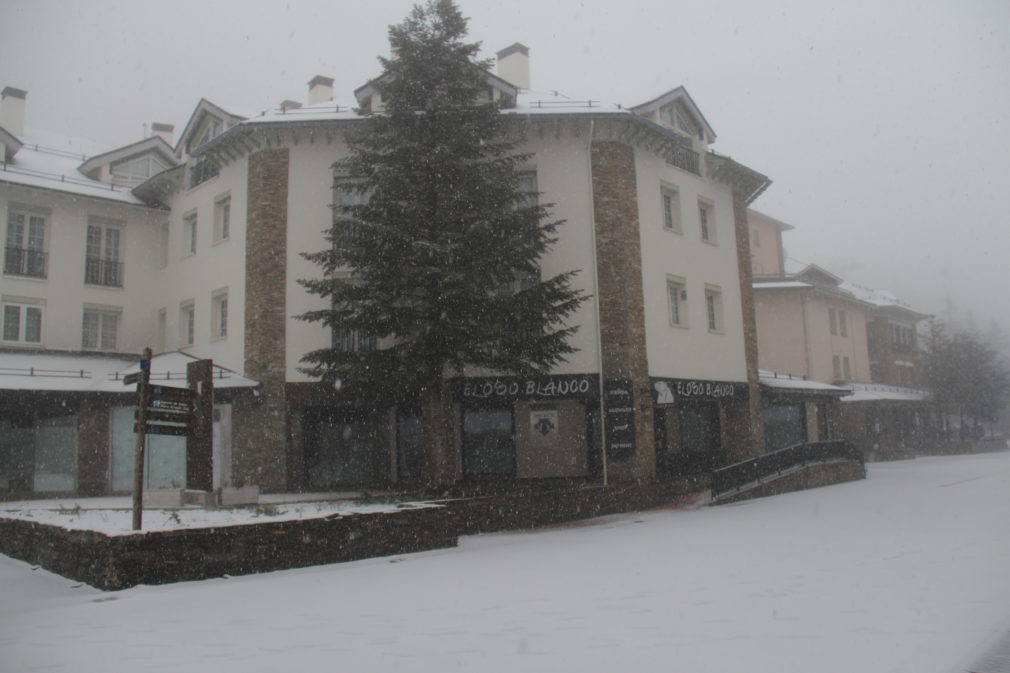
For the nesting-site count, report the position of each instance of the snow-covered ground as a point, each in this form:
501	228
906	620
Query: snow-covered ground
907	571
114	516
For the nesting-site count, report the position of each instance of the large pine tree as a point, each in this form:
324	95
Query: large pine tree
435	248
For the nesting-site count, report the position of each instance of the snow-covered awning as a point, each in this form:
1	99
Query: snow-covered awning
790	385
97	372
875	392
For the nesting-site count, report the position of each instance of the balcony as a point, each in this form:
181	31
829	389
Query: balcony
684	158
105	272
23	262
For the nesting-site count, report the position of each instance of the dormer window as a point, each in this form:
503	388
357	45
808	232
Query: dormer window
677	118
210	129
140	168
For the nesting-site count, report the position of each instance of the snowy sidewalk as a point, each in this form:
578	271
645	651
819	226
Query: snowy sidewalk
905	572
995	660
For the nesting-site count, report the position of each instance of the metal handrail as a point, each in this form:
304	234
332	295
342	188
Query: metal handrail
734	477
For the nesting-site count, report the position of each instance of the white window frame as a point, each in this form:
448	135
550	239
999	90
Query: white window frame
832	321
32	221
676	301
843	329
706	222
109	248
714	310
219	314
22	306
222	218
669	204
190	228
187	322
107	328
150	161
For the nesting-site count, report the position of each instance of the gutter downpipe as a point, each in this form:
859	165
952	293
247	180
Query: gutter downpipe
596	302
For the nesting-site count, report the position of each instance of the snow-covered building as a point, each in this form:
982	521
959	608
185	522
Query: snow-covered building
814	325
197	248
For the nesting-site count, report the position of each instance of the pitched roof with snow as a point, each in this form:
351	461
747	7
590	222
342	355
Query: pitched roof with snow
50	161
98	372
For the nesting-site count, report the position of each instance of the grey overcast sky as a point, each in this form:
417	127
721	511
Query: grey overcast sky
885	126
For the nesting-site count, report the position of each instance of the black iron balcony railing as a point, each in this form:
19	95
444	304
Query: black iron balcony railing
103	272
22	262
735	477
685	158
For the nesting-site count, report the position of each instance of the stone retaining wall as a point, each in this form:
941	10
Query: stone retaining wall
161	557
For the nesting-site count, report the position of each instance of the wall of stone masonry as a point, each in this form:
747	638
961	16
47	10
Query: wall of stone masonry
746	425
621	298
259	436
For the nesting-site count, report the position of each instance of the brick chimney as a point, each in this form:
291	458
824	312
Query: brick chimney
320	89
12	110
514	65
163	131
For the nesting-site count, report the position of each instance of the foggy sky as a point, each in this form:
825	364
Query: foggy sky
883	125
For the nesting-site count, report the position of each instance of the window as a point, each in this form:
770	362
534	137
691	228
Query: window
100	329
103	252
755	237
219	314
676	292
189	229
670	198
25	253
832	322
706	220
713	308
22	322
352	341
222	218
846	372
836	365
843	329
187	323
140	168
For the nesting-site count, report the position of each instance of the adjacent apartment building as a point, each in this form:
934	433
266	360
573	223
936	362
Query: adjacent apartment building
193	246
816	326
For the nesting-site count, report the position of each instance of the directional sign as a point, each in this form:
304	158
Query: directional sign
167	393
177	406
177	430
157	416
130	379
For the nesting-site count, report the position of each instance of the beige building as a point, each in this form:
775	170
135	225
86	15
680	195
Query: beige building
814	326
665	380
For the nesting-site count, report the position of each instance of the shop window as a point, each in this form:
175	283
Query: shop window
409	444
341	450
488	444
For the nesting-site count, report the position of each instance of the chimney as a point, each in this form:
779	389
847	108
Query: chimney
514	65
12	110
320	89
163	131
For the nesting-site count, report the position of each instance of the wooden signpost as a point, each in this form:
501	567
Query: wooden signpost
179	412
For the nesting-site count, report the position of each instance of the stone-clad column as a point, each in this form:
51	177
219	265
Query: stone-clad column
621	296
260	424
746	423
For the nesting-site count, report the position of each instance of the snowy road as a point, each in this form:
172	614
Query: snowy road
908	571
